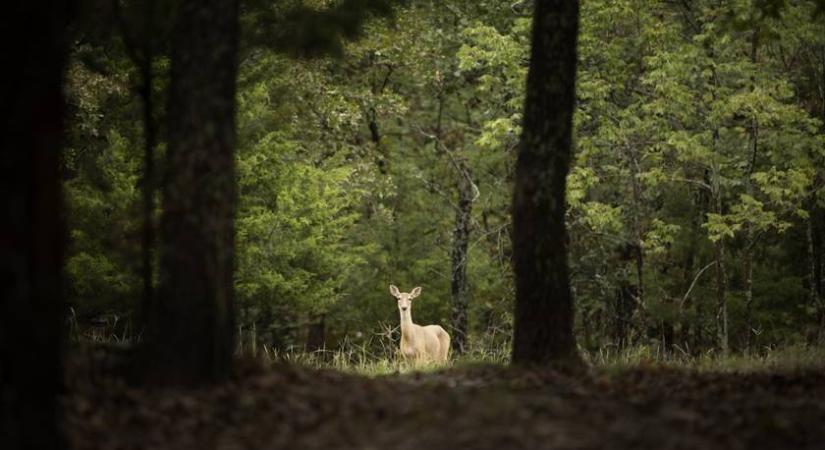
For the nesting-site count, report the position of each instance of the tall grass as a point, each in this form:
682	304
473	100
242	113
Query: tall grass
767	359
376	355
109	329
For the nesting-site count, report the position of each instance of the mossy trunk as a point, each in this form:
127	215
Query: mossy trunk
544	305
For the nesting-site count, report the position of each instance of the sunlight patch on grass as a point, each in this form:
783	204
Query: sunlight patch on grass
359	359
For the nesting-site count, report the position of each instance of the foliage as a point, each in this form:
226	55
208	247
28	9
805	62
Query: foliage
347	172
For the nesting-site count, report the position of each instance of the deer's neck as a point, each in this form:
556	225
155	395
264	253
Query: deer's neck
406	323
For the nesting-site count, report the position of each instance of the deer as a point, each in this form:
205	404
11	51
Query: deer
419	344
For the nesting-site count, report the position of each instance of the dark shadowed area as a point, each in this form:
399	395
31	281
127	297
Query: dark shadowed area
480	407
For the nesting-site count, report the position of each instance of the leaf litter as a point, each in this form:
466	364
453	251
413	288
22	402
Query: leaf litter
477	407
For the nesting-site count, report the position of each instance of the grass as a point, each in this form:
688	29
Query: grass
376	356
768	359
358	359
364	360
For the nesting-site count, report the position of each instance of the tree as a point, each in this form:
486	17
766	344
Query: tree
191	327
393	162
31	225
544	304
142	39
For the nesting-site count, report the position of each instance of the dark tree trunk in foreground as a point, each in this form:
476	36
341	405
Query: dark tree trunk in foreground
459	256
544	304
191	329
31	224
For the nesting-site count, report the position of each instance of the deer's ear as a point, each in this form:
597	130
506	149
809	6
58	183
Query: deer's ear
394	290
415	292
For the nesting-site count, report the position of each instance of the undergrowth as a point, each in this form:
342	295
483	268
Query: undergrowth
360	360
376	356
766	359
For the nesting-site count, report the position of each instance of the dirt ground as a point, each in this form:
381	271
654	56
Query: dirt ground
481	407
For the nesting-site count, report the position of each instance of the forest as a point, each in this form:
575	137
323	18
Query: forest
607	216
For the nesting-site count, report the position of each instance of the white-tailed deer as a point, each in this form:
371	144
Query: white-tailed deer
419	343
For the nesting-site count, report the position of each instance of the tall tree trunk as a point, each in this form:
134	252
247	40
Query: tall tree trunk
191	330
638	249
816	230
690	257
140	47
317	333
544	304
719	245
625	306
747	273
459	257
747	259
32	307
148	184
721	301
815	234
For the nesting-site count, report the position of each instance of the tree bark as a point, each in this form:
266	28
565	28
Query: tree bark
459	257
191	330
140	47
815	233
624	306
638	248
544	305
690	257
719	246
148	183
747	259
317	334
32	233
701	199
721	300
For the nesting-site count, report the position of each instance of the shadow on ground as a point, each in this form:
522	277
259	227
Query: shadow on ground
286	407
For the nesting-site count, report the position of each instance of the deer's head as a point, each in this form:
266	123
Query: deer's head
404	299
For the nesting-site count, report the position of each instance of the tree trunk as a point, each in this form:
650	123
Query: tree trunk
624	308
459	257
317	334
191	331
690	257
719	247
815	232
32	307
638	249
721	302
747	258
747	272
148	184
544	304
140	47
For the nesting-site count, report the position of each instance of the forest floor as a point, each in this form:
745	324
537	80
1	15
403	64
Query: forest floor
473	407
